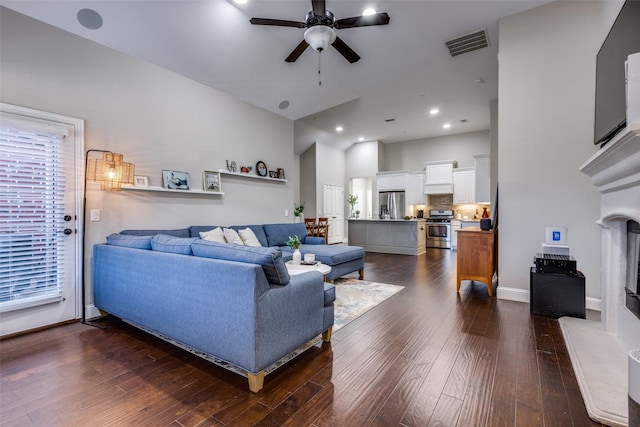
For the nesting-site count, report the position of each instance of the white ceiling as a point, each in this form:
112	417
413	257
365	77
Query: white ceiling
405	68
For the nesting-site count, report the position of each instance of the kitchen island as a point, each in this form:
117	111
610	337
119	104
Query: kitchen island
391	236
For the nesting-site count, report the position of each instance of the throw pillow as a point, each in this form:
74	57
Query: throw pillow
215	235
232	236
249	237
174	245
269	258
129	241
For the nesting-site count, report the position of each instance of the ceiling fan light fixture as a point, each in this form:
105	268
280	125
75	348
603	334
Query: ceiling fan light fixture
320	37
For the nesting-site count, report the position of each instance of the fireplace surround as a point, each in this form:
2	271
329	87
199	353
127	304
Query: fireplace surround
599	350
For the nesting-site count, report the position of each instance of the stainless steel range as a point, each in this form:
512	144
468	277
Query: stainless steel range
439	228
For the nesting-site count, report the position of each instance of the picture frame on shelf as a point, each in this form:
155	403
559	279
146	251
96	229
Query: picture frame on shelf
176	180
141	181
273	174
261	168
281	173
211	181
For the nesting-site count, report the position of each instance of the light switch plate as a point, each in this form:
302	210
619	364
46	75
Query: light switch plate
95	215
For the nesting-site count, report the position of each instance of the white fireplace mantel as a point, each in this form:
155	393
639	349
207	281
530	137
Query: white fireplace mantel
617	165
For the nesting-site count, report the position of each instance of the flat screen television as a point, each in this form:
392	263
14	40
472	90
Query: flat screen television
623	39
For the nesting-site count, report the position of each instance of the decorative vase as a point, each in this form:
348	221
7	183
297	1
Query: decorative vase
297	219
297	256
485	213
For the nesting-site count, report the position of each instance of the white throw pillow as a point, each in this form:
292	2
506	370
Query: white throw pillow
232	236
249	237
215	235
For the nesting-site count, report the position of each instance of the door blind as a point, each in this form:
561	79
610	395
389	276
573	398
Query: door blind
32	188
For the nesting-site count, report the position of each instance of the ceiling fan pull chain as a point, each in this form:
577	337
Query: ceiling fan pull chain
319	63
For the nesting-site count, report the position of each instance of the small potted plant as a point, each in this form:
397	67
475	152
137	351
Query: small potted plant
297	212
294	243
352	200
357	214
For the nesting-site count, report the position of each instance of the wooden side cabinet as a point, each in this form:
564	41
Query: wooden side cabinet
476	256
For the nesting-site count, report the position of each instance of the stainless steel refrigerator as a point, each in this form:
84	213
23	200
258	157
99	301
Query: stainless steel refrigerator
391	204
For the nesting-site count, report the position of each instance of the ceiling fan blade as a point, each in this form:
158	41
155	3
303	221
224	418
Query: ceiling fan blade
297	51
363	21
318	7
348	53
277	22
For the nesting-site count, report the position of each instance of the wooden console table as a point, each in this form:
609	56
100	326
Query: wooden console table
476	256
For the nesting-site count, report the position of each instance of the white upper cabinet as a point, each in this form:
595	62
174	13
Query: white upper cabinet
415	191
483	178
464	186
439	177
395	181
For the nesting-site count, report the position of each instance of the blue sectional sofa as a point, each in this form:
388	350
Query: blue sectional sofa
234	303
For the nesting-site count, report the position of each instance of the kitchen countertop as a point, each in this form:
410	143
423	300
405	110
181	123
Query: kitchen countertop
386	220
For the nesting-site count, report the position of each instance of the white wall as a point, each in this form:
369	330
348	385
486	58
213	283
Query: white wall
546	108
330	169
158	120
411	155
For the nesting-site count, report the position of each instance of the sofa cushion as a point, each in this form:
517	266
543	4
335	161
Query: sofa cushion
257	230
249	237
278	234
329	294
174	245
215	235
232	236
181	232
269	258
331	254
129	241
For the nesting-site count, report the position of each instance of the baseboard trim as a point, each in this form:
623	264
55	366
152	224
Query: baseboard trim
92	312
522	295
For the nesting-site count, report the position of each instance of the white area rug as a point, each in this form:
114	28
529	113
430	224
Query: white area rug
600	363
353	299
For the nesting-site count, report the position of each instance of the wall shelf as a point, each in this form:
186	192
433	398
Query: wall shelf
168	190
246	175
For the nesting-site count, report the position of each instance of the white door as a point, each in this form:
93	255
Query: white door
40	157
333	208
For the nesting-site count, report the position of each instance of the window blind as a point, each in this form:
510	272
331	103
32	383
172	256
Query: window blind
32	186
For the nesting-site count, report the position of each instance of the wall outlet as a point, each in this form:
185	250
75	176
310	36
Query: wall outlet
95	215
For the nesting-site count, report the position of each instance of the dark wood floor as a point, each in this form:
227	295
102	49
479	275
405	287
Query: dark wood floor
427	356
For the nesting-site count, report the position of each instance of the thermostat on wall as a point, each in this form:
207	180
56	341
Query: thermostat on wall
556	236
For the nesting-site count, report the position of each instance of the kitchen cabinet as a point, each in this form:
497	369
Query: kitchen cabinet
476	256
464	186
415	191
483	178
438	177
405	237
392	181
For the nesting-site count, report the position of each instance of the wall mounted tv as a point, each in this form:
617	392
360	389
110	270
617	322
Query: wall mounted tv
623	39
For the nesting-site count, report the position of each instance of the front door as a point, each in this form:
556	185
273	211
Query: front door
39	216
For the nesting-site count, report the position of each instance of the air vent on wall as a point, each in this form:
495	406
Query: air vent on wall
468	42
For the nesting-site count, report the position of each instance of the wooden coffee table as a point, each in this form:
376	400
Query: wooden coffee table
294	269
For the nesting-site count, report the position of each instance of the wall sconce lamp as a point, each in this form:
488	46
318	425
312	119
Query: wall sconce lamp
111	172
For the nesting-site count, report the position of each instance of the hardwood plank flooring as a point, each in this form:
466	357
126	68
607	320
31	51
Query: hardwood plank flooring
428	356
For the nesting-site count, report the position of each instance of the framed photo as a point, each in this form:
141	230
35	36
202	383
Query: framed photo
281	173
141	181
273	174
176	180
261	168
211	181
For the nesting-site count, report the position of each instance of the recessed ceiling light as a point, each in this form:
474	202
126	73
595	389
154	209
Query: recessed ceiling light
446	126
361	138
89	18
339	128
434	111
283	105
240	1
369	11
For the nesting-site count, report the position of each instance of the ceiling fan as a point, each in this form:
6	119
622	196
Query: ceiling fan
321	25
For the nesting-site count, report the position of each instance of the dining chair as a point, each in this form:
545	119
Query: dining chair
311	225
323	228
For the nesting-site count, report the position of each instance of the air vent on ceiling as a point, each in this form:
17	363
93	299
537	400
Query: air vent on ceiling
468	42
